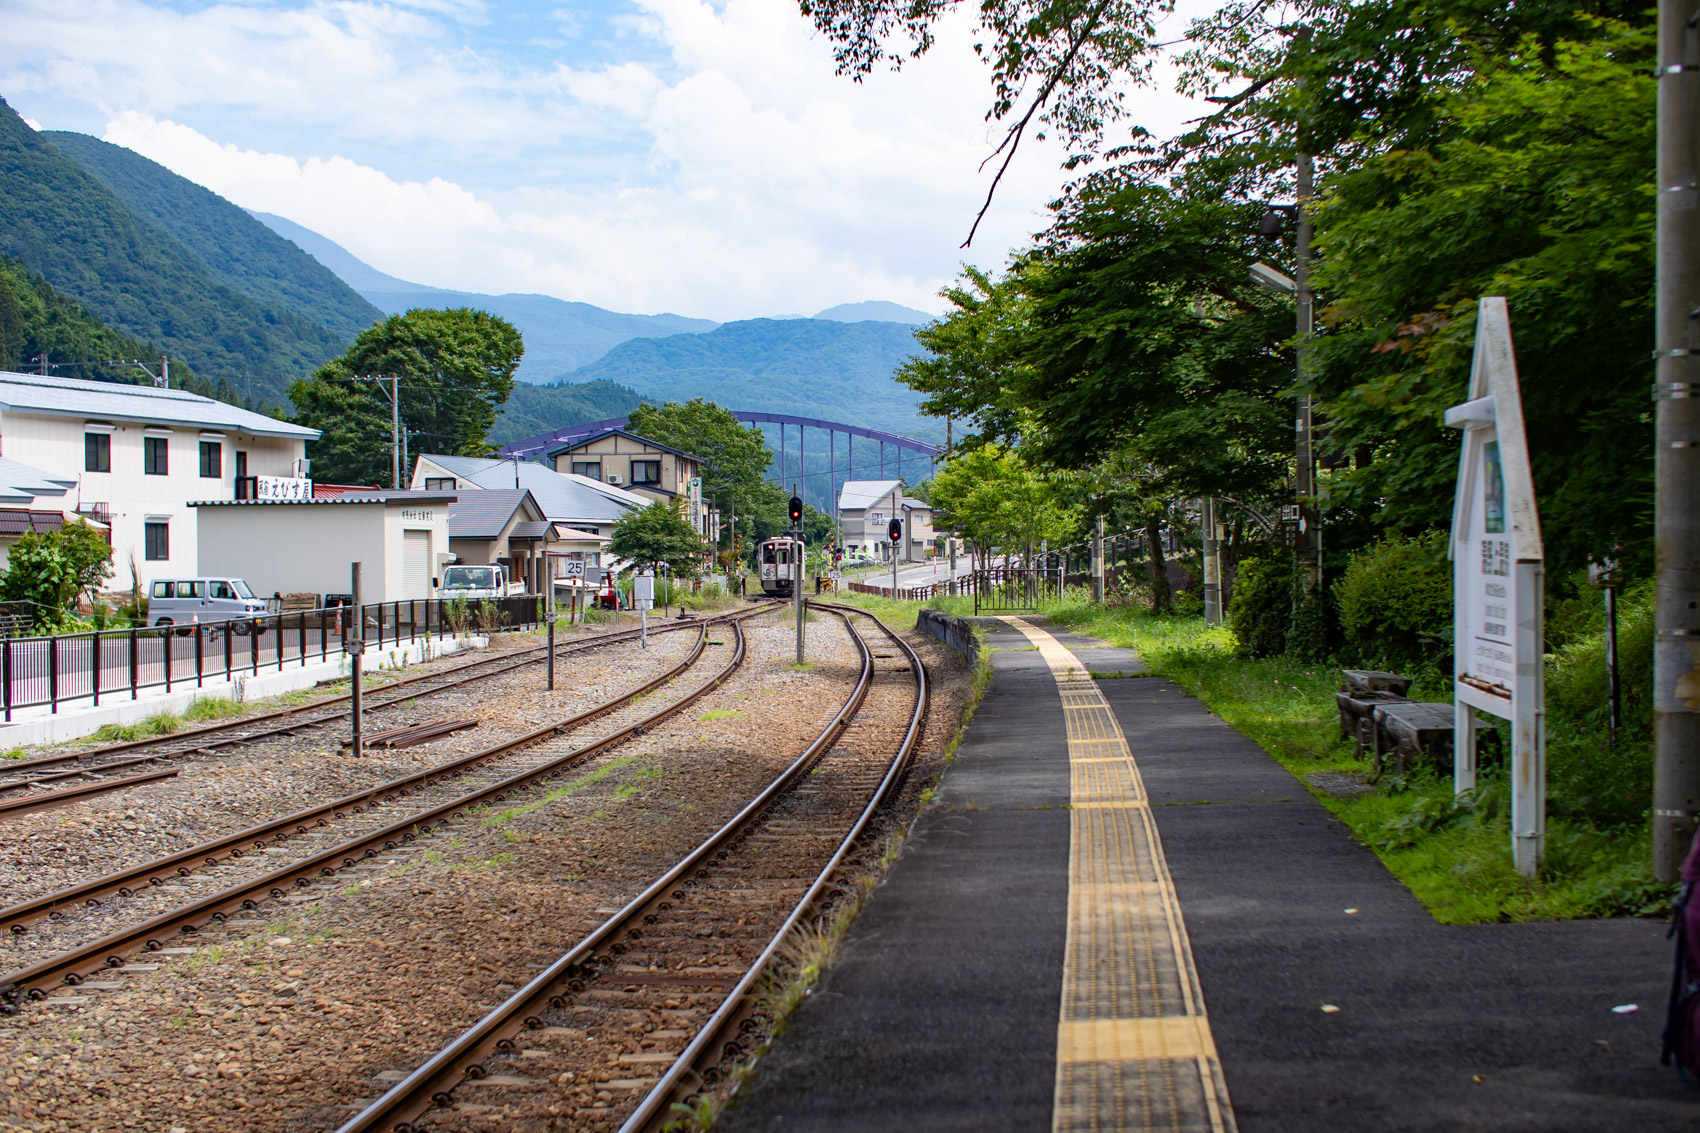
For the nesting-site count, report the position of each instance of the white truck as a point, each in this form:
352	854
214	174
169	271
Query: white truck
474	582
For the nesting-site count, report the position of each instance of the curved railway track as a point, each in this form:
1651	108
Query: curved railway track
547	756
282	722
672	954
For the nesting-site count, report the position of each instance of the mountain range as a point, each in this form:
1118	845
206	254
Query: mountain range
245	303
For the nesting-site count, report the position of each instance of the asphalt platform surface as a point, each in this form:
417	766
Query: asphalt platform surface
941	1013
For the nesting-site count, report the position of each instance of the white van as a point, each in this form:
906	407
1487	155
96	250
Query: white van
186	602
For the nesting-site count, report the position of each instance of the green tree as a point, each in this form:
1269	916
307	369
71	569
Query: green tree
659	534
999	502
733	458
456	367
89	555
39	571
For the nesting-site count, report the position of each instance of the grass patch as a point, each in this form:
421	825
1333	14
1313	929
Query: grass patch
567	790
213	708
153	724
1453	854
720	714
901	615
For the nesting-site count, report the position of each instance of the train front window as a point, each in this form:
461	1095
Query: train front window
767	554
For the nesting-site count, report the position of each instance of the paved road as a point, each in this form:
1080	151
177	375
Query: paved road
942	1013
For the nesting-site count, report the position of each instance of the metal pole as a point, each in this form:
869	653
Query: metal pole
1615	700
797	555
1098	565
1676	514
551	654
355	645
1212	565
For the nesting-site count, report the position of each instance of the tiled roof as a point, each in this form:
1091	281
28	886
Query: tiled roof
577	443
370	497
75	397
561	497
483	515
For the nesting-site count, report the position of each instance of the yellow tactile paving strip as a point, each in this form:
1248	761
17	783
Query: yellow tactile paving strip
1134	1050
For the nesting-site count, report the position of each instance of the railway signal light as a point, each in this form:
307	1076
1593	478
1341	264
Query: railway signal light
796	509
896	531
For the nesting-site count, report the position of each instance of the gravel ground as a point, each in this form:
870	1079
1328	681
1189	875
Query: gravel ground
294	1014
45	851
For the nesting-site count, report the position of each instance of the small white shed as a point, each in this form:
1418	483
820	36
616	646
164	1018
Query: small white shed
306	546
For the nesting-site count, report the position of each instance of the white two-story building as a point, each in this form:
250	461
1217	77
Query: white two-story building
139	455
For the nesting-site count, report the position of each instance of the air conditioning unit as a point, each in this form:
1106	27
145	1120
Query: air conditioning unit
615	478
303	469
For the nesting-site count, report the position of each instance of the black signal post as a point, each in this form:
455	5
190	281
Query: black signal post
895	530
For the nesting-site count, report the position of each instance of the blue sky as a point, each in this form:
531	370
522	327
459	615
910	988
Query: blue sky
642	155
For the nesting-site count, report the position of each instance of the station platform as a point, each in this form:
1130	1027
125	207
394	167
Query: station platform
1121	914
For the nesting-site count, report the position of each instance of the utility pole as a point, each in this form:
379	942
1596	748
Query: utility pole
395	430
1308	546
1212	564
1676	428
354	644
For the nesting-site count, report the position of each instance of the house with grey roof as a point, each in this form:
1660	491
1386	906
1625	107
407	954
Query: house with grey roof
136	456
505	526
31	499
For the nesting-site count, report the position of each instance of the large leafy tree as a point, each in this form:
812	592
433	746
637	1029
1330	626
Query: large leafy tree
455	368
659	534
733	458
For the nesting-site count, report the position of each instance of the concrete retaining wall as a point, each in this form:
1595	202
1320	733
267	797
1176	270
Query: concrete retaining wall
958	633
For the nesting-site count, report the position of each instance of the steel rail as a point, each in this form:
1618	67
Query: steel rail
72	966
432	1083
508	662
126	881
63	795
687	1073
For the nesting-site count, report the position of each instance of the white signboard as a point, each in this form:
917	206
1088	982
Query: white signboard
282	488
1498	583
572	568
643	592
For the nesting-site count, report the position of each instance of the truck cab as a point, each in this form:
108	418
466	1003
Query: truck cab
475	581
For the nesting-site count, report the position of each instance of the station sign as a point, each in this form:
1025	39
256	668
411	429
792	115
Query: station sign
1498	588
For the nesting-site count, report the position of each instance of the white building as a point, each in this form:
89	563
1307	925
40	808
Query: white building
138	455
305	546
865	511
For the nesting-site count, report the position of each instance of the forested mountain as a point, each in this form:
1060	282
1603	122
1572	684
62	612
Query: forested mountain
243	253
877	311
62	223
810	367
36	321
559	335
531	410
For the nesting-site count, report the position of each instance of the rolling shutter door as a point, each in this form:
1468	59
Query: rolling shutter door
416	564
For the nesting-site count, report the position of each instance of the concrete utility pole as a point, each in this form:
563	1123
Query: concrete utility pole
354	643
395	431
1676	610
1308	546
1098	564
798	555
1212	564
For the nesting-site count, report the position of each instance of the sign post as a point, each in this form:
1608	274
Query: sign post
354	644
643	597
798	557
1498	583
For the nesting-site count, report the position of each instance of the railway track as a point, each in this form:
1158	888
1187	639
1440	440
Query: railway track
96	763
439	795
642	1012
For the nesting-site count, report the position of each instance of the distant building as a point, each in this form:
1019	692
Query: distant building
918	537
865	511
137	456
583	511
505	526
641	466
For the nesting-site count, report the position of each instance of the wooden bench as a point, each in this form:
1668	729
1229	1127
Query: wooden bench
1415	729
1376	680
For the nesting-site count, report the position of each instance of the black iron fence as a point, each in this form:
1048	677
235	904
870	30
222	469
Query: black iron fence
37	671
1011	589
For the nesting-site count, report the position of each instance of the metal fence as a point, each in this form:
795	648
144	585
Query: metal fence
1010	589
37	671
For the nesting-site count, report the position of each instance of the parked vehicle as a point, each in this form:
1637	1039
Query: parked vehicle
475	581
188	602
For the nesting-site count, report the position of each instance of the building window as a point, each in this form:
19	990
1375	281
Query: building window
590	468
439	483
155	461
157	540
212	460
97	452
241	464
646	472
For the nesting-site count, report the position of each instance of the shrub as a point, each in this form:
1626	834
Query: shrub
1577	686
1261	608
1395	602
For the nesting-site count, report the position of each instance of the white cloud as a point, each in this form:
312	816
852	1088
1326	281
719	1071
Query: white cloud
719	168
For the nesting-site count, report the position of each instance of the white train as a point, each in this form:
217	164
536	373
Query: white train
781	561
